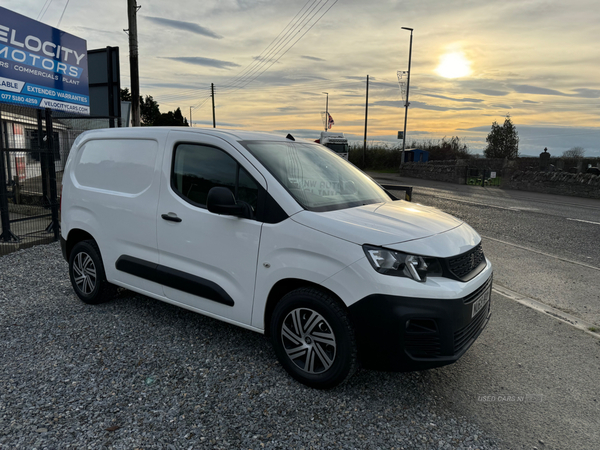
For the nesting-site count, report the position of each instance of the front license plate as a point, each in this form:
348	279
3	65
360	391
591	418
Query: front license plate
481	302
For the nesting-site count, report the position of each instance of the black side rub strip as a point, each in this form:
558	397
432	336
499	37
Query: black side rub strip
173	278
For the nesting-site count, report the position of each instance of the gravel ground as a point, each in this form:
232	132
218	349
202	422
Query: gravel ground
139	373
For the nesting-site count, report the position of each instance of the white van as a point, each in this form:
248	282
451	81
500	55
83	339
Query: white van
278	236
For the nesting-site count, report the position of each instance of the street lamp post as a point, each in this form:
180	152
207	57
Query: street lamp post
326	111
407	91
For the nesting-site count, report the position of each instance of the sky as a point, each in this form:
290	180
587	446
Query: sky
272	61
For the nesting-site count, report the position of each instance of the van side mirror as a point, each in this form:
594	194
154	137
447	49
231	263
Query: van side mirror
221	200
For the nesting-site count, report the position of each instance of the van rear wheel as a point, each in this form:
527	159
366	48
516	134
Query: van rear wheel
87	274
313	338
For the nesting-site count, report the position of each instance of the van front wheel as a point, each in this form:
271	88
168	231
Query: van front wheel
313	338
87	274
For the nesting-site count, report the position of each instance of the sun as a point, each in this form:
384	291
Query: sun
454	65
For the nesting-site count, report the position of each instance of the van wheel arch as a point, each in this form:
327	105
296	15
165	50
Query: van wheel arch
283	287
75	236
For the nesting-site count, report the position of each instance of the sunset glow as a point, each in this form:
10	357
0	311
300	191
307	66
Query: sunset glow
268	63
454	65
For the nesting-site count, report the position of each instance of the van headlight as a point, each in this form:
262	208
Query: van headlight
398	264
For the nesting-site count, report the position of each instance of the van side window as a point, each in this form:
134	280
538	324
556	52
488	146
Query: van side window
199	168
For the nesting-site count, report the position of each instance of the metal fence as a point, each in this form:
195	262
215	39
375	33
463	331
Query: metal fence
34	147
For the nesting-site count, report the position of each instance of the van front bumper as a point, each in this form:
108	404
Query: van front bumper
404	334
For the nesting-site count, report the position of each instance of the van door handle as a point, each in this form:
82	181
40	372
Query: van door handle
172	217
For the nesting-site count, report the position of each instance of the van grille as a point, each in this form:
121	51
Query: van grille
423	346
465	334
467	265
478	292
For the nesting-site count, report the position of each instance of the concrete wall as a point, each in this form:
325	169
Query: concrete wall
560	183
448	171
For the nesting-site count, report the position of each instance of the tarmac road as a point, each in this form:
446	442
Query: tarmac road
531	379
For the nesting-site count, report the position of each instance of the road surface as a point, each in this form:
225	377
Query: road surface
531	379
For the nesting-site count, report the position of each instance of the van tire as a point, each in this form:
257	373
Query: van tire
313	338
87	274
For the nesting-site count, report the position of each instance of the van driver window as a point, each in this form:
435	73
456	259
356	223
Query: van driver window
199	168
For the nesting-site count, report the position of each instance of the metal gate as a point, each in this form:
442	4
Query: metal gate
29	161
484	177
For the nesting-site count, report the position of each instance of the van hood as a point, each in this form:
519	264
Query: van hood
381	224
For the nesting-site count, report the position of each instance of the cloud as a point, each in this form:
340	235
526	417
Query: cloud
288	110
174	85
468	100
420	105
184	26
96	30
531	102
491	92
485	128
312	58
390	103
371	79
200	61
527	89
579	93
587	93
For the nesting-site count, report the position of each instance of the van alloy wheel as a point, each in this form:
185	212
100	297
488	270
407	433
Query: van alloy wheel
308	340
313	338
84	273
87	274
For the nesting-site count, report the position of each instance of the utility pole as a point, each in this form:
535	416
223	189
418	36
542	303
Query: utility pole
407	91
191	123
132	10
326	111
212	93
366	115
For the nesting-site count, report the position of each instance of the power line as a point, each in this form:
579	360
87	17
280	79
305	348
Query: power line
259	58
42	12
63	13
278	45
290	47
191	94
284	40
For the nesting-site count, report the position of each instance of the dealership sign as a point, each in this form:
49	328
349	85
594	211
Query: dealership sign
41	66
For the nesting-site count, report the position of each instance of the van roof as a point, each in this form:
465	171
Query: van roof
238	135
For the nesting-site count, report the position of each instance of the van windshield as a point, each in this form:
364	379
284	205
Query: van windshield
316	177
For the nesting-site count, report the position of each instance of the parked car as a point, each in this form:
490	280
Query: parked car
278	236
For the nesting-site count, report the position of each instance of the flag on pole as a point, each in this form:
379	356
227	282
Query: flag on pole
330	121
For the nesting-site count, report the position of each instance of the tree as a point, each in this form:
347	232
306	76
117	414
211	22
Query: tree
125	95
172	119
150	114
574	153
503	141
149	111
